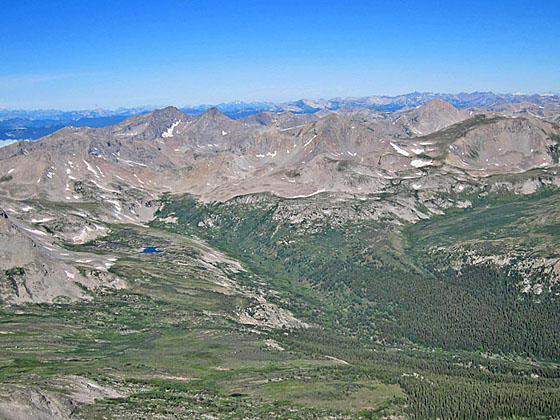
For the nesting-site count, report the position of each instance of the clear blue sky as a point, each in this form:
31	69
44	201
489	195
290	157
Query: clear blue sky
84	54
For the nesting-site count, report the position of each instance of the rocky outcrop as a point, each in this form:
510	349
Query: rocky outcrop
53	399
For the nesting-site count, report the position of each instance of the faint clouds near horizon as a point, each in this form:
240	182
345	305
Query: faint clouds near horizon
20	80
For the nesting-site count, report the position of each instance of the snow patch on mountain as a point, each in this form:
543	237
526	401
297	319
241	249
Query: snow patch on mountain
400	150
419	163
169	132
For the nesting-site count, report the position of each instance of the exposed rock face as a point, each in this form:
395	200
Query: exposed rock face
265	314
33	269
54	399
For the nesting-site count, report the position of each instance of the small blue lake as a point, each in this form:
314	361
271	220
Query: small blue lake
150	249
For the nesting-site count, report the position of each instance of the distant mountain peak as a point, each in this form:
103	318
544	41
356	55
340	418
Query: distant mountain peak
213	113
169	111
438	104
214	116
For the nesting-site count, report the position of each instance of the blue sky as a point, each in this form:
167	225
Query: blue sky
86	54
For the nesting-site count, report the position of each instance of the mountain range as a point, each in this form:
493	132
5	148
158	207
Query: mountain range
359	257
30	125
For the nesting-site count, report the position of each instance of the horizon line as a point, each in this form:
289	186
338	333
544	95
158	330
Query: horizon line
239	101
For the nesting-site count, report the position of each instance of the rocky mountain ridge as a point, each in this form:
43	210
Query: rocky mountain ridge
217	157
21	124
117	174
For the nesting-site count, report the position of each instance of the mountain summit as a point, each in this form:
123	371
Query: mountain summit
431	117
